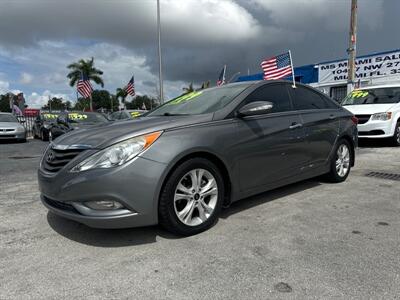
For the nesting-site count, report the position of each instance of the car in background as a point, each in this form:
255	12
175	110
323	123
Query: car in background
182	162
378	111
43	123
126	114
67	122
11	128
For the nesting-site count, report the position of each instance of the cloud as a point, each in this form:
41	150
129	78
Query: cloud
26	78
4	87
198	38
36	100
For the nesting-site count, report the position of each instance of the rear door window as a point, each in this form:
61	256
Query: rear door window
305	99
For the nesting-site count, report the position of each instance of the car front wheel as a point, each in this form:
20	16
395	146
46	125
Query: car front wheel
192	197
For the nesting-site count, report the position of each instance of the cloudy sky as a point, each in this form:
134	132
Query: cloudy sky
38	38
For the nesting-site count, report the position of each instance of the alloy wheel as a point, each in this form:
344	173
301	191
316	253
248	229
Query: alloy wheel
196	197
397	134
343	160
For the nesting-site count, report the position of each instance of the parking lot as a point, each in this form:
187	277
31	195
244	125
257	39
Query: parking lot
308	240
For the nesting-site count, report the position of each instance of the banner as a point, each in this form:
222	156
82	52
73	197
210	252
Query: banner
387	64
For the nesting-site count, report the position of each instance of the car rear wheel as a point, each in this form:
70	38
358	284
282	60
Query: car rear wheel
192	197
44	136
341	162
396	136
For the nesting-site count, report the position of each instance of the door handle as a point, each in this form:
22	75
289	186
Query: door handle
295	125
332	117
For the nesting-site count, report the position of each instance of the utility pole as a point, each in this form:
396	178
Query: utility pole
159	53
352	47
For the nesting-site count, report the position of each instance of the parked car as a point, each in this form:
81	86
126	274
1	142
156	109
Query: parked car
126	114
378	111
11	128
43	123
67	122
181	163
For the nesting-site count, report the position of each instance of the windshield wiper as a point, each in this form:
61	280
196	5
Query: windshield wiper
167	114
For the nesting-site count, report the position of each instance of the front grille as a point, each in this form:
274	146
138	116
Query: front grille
6	130
372	132
54	159
60	205
362	119
7	135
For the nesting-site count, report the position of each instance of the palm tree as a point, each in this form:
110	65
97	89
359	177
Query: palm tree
121	93
85	67
188	89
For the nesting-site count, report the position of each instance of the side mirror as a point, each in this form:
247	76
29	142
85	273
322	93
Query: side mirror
255	108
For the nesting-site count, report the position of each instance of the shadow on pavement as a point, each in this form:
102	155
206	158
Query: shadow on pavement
145	235
272	195
106	237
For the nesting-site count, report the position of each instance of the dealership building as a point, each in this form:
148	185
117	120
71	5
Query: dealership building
331	77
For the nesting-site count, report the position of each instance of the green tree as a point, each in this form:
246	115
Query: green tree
56	104
137	102
103	99
121	94
5	103
87	68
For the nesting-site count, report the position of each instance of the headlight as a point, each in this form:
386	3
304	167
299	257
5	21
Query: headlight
382	116
20	129
117	154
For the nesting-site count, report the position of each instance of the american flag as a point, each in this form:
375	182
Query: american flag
130	87
277	67
221	78
84	87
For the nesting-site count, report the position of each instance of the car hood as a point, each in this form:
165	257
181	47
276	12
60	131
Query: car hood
110	133
9	125
368	109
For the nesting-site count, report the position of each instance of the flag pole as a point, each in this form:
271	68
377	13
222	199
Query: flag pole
159	53
291	64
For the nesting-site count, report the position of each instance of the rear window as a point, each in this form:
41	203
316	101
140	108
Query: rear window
373	96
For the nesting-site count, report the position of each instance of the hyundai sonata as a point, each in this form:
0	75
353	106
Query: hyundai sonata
182	162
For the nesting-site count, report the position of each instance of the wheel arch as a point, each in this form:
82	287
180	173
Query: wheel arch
352	150
211	157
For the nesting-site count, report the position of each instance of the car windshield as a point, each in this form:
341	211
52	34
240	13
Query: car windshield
7	118
86	118
373	96
199	102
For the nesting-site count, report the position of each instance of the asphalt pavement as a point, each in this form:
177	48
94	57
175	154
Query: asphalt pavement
308	240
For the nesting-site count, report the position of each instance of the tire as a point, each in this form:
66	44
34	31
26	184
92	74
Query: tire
396	136
183	208
43	136
339	175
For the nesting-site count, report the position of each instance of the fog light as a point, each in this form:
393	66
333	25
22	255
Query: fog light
104	205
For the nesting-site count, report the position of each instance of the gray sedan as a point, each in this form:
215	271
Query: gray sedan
184	161
11	128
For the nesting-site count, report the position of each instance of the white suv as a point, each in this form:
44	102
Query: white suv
378	111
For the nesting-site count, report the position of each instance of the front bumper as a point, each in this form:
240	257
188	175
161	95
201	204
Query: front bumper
376	129
136	185
12	135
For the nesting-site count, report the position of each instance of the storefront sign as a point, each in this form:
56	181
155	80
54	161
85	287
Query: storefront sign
387	64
